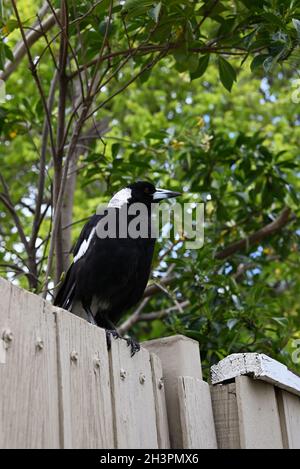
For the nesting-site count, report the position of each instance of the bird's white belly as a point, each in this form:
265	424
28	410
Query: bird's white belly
96	305
99	304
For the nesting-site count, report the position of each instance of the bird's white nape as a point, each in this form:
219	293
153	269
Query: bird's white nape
120	198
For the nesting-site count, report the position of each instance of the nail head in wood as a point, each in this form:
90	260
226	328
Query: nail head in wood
7	335
39	344
142	378
74	356
160	383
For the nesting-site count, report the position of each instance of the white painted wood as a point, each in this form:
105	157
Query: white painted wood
289	406
160	403
133	397
179	356
257	365
29	412
259	420
196	414
85	398
226	416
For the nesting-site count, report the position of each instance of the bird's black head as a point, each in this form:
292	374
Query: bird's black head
145	192
142	192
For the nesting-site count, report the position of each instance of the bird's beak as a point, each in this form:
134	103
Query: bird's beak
161	194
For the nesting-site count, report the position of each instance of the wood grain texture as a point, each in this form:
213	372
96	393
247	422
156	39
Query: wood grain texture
85	398
179	356
289	410
196	414
160	403
259	419
133	397
29	411
226	416
258	366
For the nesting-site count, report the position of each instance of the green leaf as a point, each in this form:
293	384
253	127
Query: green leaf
281	321
8	52
273	19
11	25
227	73
258	61
202	66
185	61
115	149
268	64
296	24
155	11
293	194
135	8
231	323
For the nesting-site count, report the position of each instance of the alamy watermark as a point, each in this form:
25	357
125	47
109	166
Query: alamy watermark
138	220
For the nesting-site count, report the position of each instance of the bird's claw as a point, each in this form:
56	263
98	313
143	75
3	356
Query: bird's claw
111	333
134	346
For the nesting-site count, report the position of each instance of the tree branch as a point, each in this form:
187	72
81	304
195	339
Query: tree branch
254	238
35	75
42	169
153	289
133	318
35	33
163	312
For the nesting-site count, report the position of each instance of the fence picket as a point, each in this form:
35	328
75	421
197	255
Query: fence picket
85	398
133	397
29	416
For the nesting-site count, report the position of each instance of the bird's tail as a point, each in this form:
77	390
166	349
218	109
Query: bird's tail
65	295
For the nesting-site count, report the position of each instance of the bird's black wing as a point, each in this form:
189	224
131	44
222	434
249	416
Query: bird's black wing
65	294
85	233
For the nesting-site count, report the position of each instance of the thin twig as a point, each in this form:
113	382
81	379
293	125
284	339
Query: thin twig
133	318
260	235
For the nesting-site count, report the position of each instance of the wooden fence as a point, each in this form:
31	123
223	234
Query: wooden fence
60	388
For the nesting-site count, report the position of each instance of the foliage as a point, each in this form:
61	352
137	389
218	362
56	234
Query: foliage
196	96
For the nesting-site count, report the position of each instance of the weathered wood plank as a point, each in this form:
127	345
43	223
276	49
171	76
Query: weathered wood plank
257	365
5	293
196	414
133	397
85	400
289	410
179	356
160	403
226	416
259	419
29	413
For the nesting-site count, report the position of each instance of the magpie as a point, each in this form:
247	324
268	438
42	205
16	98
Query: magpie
109	274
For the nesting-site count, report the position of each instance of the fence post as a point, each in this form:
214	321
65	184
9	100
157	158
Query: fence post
256	403
185	390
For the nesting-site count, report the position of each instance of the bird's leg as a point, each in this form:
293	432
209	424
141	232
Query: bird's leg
111	330
90	315
134	346
111	333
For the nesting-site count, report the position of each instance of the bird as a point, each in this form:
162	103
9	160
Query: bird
108	275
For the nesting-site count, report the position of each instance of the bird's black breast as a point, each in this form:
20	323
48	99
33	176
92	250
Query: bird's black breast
115	271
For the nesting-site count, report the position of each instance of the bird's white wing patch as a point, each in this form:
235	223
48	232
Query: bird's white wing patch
120	198
84	246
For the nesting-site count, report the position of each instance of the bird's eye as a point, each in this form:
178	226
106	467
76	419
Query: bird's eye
146	190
